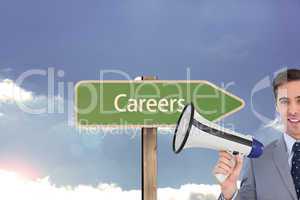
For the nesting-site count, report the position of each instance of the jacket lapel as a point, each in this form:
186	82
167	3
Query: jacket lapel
280	158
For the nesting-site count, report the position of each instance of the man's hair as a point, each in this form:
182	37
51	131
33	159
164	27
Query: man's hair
284	77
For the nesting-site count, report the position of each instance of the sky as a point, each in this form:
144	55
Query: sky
239	44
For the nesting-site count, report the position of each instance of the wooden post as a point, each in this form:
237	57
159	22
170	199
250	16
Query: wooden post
149	159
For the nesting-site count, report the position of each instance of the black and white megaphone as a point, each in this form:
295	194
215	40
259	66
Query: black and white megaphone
193	130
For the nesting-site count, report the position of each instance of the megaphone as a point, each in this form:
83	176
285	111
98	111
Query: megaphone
193	130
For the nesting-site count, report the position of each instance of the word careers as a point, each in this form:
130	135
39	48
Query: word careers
151	105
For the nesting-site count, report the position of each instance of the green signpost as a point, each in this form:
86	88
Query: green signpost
148	104
151	103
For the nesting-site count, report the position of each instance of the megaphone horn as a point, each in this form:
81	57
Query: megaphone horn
193	130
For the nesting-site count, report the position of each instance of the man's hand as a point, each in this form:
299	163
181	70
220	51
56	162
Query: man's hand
230	165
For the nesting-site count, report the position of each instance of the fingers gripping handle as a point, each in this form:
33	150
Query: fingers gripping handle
222	177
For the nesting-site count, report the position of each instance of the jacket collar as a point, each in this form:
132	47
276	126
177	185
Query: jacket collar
280	158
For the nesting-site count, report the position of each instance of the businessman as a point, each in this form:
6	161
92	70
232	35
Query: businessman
276	174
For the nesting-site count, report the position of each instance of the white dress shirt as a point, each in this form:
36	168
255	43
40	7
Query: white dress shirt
289	142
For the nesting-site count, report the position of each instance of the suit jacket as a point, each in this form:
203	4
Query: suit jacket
268	177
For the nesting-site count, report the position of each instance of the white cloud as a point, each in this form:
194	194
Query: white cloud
190	192
15	187
27	101
11	92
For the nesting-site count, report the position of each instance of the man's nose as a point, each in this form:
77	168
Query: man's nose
293	109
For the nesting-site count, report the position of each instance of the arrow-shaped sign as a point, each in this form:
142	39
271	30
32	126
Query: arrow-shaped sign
151	103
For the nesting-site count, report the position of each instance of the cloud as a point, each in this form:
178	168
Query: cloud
11	92
189	192
16	187
12	96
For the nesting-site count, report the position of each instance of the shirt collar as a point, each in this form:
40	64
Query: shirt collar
289	141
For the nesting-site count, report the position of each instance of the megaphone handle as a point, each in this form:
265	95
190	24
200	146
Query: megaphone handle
222	177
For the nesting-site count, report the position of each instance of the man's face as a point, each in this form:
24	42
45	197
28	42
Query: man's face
288	106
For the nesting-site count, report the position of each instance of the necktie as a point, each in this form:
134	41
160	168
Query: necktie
295	171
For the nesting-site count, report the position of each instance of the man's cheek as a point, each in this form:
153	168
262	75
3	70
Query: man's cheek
284	119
